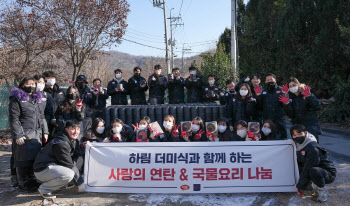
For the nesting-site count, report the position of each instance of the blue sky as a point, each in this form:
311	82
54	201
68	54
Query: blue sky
204	21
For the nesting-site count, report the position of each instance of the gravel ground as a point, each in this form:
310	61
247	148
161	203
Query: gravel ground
339	194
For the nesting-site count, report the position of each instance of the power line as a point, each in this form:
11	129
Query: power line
146	33
149	37
142	44
158	42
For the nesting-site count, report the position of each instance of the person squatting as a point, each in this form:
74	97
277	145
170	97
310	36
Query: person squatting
51	127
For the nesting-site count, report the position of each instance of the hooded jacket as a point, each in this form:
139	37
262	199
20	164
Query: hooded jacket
137	93
309	155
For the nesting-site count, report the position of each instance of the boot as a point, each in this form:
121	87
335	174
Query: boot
322	194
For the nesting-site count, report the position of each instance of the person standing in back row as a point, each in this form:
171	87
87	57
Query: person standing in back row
157	83
194	86
118	89
176	87
137	86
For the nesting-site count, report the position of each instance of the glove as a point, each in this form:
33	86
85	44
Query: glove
135	127
186	138
177	77
45	137
198	136
183	133
222	94
284	99
176	130
79	104
154	135
285	88
257	90
106	140
153	78
117	137
306	91
299	193
246	79
251	135
20	141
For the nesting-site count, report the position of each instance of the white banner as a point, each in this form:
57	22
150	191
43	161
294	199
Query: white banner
189	167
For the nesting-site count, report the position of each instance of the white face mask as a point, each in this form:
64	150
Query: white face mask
242	133
222	128
211	82
193	72
117	130
51	82
294	89
142	126
158	71
266	131
167	125
118	76
195	127
243	93
100	130
40	87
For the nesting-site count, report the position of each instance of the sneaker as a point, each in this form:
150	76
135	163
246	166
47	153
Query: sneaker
314	190
47	195
322	194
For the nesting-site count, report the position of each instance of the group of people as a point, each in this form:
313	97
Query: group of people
50	127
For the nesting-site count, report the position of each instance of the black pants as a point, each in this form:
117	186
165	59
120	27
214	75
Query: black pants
281	128
12	163
320	177
25	176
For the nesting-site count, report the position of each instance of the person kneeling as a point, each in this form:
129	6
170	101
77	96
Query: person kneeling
55	165
315	168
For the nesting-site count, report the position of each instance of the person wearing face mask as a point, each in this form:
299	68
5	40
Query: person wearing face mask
94	134
207	97
143	125
45	106
137	87
315	168
194	85
99	98
176	88
242	107
72	108
85	94
171	131
118	89
26	126
57	95
302	106
268	131
241	131
157	83
197	132
224	132
59	162
120	132
229	94
268	102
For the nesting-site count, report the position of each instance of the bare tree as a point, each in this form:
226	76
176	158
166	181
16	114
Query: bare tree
84	26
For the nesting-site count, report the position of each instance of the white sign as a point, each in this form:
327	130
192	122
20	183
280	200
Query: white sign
191	167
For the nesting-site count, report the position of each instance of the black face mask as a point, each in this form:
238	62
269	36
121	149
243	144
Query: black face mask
271	86
72	96
137	74
29	90
299	140
81	85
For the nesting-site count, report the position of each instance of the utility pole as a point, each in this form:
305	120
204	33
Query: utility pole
158	3
233	40
183	59
172	41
